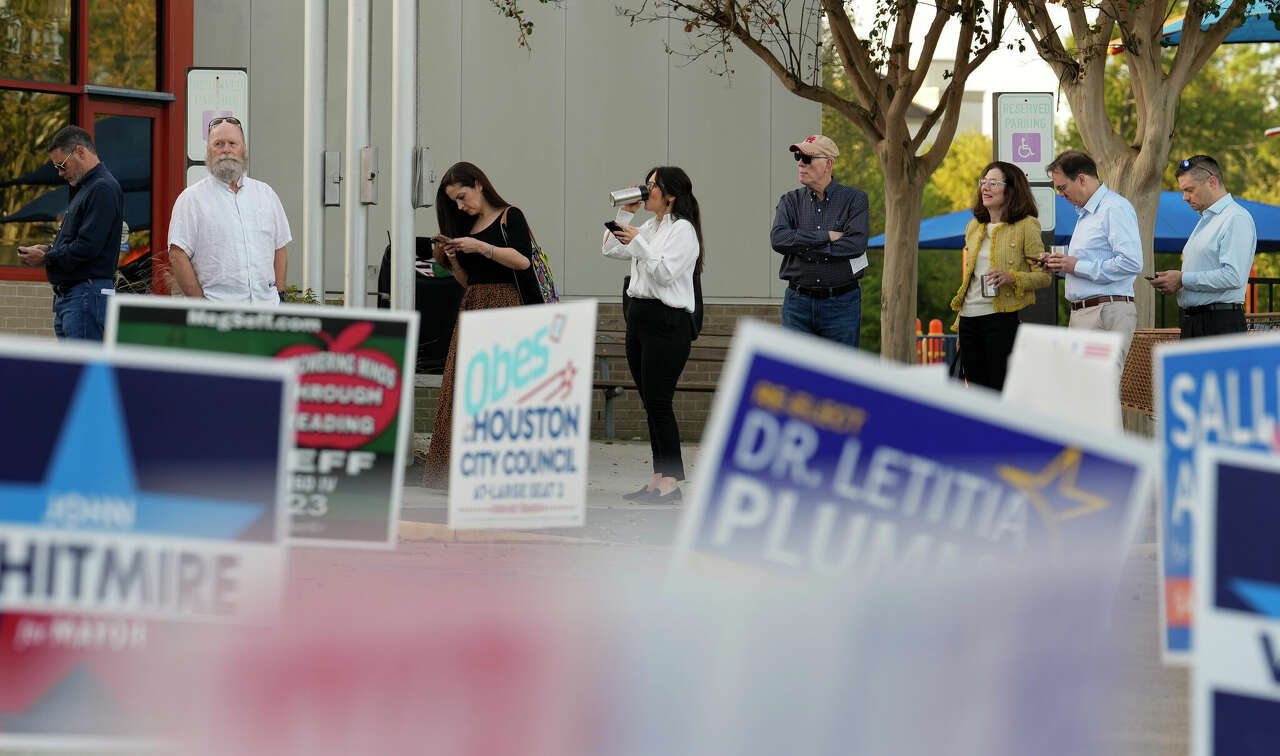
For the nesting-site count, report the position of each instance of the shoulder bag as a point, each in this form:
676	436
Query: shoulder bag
535	283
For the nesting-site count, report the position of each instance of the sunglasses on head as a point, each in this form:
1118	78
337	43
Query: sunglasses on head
806	159
224	119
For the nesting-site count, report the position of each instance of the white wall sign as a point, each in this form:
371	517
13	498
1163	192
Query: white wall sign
214	92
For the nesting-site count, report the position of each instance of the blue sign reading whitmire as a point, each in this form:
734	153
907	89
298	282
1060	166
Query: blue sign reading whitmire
135	488
835	464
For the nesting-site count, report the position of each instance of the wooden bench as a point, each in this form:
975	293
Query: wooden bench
612	344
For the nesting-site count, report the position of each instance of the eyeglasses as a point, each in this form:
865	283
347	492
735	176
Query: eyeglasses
60	167
651	185
806	159
983	183
1060	188
225	119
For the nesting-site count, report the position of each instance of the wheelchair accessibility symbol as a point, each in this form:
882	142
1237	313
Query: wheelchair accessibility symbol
1026	147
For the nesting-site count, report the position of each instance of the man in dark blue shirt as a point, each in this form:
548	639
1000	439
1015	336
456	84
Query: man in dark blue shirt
821	231
81	262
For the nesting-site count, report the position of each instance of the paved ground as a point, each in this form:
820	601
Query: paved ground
614	468
626	546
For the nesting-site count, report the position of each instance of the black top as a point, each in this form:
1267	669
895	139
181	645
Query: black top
482	270
88	243
799	234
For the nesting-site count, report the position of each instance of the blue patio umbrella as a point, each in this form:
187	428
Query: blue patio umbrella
1174	223
1258	26
48	206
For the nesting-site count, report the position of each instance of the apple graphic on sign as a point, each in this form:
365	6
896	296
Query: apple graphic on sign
346	342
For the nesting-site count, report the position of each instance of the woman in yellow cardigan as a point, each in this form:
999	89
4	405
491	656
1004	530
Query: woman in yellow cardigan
1001	245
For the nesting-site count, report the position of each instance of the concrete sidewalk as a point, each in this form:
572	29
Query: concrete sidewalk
614	468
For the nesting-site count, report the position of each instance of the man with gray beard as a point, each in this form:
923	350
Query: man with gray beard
228	232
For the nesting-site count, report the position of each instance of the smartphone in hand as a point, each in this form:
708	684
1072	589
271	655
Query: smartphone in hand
440	239
1150	277
613	226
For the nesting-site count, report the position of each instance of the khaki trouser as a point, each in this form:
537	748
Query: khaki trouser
1119	317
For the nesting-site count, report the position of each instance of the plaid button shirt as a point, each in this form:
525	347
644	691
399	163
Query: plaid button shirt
800	234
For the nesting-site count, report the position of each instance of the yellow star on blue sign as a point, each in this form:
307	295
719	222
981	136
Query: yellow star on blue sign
1064	469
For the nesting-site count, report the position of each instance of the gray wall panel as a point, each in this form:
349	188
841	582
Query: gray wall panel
595	104
720	131
513	114
616	128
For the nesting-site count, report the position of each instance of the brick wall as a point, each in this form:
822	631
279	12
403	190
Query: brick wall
26	307
692	409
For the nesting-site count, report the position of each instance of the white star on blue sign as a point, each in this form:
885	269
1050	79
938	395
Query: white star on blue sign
92	460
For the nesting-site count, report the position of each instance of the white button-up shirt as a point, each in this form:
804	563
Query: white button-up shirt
1218	255
231	238
662	255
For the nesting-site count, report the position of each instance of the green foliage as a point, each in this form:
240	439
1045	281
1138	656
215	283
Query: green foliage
955	179
1222	112
300	296
950	189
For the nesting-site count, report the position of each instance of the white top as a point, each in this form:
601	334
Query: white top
662	255
231	238
976	305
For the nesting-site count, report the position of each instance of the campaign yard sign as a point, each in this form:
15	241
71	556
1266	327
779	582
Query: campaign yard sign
819	461
522	417
1223	392
355	399
1236	656
142	495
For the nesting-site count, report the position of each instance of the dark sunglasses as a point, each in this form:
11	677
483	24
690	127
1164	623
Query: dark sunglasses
806	159
225	119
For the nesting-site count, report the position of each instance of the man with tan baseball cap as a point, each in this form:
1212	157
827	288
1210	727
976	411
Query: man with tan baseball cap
821	231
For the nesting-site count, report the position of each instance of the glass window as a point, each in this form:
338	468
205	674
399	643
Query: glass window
32	194
35	40
122	43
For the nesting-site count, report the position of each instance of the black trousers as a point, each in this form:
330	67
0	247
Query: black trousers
658	340
1211	323
985	343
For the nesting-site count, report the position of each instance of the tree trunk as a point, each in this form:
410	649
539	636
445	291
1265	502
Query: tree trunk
903	201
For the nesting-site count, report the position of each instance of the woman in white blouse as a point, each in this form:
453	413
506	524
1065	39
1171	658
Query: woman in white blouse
665	252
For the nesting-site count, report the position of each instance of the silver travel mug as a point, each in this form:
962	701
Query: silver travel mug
627	196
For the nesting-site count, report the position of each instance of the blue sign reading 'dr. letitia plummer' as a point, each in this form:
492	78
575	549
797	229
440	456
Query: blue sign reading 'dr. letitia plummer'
1219	392
821	461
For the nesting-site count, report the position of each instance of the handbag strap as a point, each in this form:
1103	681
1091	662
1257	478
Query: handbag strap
502	226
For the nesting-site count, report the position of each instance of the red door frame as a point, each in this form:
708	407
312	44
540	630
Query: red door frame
159	115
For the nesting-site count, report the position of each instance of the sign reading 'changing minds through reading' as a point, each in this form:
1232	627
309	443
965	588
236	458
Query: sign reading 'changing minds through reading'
819	461
354	408
522	417
142	499
1220	392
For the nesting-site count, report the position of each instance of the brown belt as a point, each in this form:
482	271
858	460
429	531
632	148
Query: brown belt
1092	301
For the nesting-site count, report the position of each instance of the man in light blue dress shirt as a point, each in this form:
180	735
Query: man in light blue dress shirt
1217	257
1105	253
